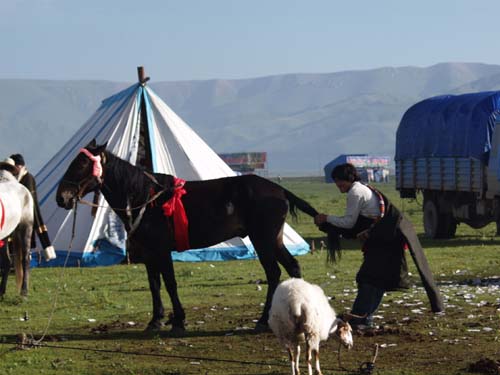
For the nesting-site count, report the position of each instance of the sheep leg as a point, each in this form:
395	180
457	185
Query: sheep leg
309	358
297	357
293	355
316	359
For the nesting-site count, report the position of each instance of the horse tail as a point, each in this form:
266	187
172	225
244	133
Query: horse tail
296	202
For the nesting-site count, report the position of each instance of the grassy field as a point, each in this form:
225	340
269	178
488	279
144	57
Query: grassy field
94	318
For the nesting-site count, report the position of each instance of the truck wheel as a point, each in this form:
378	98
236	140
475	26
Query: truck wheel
431	219
448	226
436	224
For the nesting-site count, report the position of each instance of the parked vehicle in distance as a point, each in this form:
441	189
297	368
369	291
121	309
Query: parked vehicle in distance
447	147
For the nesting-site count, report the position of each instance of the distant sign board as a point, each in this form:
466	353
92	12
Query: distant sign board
245	161
368	161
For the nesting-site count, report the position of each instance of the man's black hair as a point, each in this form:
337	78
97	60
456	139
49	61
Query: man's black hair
345	172
18	159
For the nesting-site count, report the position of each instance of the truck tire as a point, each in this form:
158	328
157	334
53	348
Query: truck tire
436	224
431	219
449	226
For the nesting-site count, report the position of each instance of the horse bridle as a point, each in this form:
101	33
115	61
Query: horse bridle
82	185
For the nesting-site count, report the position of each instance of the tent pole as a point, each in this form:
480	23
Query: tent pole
142	76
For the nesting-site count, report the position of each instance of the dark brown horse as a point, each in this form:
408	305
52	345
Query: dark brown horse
217	210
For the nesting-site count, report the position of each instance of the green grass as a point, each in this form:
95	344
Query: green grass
98	321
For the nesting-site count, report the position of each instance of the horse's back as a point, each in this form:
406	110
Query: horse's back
16	206
222	208
254	185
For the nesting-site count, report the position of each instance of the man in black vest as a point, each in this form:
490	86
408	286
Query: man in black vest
27	179
386	235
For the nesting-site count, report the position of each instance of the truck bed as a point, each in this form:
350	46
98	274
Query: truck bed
441	174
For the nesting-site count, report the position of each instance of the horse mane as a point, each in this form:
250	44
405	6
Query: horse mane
133	177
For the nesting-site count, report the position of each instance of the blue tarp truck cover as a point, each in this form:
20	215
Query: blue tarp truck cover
449	126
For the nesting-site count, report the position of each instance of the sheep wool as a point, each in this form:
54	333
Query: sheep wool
300	311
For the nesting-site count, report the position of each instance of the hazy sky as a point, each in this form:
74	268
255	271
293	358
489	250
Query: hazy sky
205	39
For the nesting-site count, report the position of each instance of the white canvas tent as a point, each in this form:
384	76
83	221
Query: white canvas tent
134	121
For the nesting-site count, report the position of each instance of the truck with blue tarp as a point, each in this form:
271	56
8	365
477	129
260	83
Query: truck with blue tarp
447	148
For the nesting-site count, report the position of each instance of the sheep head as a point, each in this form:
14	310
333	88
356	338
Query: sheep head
343	331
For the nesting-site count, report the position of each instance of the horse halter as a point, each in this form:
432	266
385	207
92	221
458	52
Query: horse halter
97	171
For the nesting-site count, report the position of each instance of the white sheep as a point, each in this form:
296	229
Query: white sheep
301	311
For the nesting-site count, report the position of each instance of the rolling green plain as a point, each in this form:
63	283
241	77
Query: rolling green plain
92	319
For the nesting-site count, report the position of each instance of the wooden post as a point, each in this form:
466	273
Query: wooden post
141	75
313	247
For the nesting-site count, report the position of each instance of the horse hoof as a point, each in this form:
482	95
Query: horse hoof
154	326
261	328
177	331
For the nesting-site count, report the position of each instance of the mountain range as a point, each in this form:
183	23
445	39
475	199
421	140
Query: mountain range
301	120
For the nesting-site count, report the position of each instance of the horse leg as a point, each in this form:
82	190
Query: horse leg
4	268
24	246
154	287
177	319
287	260
17	256
272	270
26	260
273	273
266	232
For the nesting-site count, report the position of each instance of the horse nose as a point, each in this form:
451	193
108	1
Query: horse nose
60	201
65	200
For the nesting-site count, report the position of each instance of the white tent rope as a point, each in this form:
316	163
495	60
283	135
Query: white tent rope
61	275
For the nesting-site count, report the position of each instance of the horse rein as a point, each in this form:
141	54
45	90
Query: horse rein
80	186
97	172
151	200
132	224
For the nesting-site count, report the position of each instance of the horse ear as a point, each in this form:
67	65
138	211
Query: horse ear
91	144
101	148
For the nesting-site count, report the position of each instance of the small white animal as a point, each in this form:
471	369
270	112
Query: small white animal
301	311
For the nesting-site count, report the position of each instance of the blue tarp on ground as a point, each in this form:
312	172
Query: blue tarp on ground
449	126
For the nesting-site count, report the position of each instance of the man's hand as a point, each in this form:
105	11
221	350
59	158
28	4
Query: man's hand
364	235
320	219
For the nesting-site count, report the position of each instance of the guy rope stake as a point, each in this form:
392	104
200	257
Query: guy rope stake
367	368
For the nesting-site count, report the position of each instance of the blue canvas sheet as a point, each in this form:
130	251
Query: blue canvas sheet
449	126
108	254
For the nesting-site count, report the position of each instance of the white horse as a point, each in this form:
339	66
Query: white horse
16	222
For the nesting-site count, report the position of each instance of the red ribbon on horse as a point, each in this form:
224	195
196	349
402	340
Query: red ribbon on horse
2	221
175	207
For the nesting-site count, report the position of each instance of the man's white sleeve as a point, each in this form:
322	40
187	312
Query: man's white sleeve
351	212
